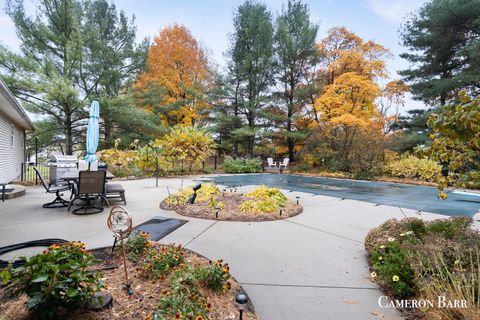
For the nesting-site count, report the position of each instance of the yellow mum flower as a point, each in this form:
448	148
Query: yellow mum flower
395	278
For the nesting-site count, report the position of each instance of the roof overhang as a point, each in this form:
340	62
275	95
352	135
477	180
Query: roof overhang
11	108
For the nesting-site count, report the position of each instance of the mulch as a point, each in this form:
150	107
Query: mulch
145	298
231	211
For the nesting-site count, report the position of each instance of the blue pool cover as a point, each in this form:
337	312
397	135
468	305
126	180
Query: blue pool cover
419	198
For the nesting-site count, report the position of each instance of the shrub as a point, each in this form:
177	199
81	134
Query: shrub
184	300
266	200
215	275
391	267
186	145
57	280
242	165
120	162
204	194
430	259
137	244
414	168
265	193
259	206
160	263
450	228
178	304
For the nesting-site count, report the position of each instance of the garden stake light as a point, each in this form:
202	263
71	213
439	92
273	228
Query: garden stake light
120	223
298	198
281	209
242	300
216	211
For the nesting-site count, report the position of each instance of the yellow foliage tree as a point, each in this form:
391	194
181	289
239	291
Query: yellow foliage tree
176	79
350	100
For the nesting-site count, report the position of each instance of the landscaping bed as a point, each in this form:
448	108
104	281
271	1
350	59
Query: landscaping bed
431	268
168	282
262	204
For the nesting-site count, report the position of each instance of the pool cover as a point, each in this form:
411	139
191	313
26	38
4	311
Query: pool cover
419	198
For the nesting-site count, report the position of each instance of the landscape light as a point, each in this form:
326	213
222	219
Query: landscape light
281	209
216	211
192	198
298	198
242	300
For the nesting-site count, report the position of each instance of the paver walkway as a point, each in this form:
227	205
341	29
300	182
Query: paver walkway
312	266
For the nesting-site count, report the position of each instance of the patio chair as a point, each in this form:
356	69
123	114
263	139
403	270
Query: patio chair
271	163
284	163
57	189
91	186
115	191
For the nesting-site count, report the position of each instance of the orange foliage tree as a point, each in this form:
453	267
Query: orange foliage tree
177	78
350	123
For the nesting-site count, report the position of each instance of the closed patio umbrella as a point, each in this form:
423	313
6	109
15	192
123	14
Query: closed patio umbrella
93	132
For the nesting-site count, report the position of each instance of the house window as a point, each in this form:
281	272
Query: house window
12	137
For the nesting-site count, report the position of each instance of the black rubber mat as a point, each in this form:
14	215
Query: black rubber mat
159	227
419	198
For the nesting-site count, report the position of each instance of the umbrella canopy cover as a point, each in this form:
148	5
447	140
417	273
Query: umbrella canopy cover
93	132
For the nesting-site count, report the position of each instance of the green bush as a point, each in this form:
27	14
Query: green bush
391	267
58	280
414	168
137	244
242	165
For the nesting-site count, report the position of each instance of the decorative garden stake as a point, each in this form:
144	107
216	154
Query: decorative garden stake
120	222
242	300
298	198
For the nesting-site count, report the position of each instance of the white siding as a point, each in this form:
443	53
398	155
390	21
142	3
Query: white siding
11	158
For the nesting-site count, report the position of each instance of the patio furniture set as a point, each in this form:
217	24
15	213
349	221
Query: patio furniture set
86	187
273	165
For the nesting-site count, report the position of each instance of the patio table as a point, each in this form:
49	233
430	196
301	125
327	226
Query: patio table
74	177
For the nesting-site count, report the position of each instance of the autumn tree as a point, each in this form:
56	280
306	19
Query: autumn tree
177	78
347	109
296	53
250	71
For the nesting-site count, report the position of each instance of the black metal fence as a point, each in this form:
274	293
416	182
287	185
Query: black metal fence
29	175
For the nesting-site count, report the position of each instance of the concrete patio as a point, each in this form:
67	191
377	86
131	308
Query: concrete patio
311	266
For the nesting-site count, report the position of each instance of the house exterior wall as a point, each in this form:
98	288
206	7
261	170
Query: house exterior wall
11	156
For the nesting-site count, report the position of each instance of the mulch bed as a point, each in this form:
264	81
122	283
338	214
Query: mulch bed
144	299
231	211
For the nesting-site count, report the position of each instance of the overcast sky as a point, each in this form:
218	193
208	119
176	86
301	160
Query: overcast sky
210	21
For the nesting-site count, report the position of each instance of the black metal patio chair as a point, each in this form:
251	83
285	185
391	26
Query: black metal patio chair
90	187
59	202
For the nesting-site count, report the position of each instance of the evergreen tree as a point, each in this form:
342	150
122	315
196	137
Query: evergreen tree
444	37
295	55
250	67
71	53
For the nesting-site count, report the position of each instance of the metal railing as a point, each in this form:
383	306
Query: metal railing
29	175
